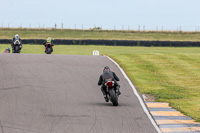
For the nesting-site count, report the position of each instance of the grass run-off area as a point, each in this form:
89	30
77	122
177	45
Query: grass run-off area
8	33
170	74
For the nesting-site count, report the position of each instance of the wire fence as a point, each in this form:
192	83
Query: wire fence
103	27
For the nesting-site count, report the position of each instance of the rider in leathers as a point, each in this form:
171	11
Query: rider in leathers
48	41
14	39
106	75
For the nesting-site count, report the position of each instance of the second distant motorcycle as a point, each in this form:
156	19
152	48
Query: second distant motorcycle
48	45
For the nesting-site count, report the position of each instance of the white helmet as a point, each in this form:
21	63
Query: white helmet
16	35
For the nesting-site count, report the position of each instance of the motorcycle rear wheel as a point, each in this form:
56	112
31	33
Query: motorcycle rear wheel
114	98
48	51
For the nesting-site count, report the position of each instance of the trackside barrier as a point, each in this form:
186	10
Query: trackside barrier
111	42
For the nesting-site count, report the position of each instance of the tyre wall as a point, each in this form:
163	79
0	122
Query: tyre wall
111	42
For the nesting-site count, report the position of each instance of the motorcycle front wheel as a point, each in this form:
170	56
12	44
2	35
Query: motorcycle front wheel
16	49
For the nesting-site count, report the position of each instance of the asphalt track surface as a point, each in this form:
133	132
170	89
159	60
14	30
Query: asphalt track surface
59	94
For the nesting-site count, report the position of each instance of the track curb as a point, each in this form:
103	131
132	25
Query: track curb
171	120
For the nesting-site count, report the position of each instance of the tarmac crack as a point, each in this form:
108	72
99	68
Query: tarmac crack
95	119
1	127
56	123
22	129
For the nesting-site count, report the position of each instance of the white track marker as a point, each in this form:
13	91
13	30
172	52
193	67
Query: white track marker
95	52
138	96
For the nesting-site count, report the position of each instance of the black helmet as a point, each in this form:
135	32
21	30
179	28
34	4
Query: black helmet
106	68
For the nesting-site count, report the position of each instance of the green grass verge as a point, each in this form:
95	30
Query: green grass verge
98	34
170	74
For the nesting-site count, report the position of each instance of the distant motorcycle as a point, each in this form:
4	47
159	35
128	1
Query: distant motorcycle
48	48
111	92
17	46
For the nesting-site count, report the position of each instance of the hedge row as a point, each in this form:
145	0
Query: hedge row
110	42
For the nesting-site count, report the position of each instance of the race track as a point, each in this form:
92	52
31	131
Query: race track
59	94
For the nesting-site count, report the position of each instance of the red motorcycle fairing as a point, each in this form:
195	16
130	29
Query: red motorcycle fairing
110	84
47	45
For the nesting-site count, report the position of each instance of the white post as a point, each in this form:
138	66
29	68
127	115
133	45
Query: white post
95	52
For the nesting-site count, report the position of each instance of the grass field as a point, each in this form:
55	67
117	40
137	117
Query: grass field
170	74
98	34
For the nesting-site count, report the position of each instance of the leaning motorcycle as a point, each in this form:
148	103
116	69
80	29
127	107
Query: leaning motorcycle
48	48
17	46
111	92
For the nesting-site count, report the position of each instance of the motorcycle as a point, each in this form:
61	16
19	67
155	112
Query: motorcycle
111	92
48	48
17	46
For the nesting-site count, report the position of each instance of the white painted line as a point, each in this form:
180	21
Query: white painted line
138	96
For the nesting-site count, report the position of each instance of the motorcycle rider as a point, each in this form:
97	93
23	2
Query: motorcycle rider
48	41
106	75
13	41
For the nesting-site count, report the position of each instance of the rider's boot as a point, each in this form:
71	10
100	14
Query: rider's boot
104	94
106	98
117	90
